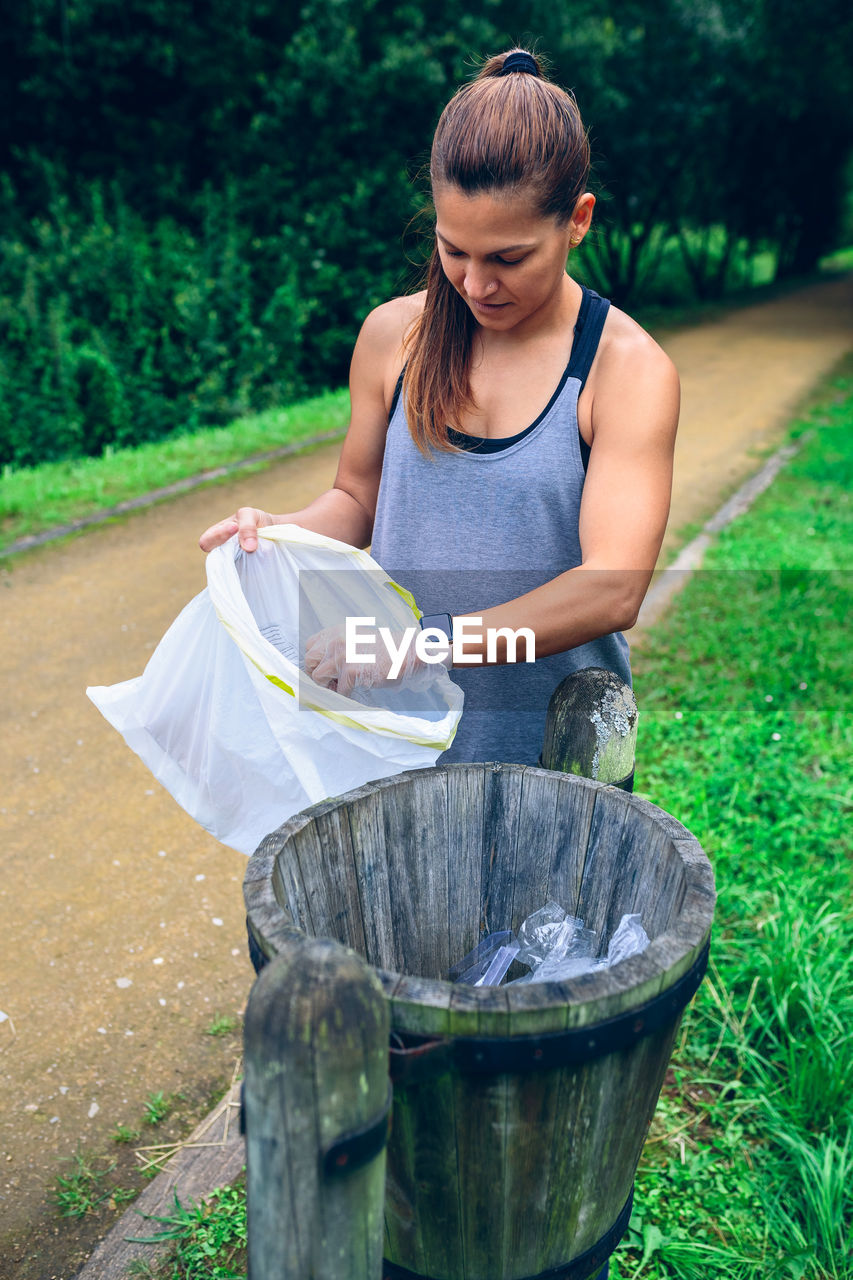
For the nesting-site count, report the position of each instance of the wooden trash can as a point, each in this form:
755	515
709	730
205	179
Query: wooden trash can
519	1113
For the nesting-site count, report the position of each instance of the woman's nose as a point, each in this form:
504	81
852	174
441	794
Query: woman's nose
478	283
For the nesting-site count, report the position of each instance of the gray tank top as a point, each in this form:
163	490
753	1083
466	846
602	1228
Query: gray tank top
469	530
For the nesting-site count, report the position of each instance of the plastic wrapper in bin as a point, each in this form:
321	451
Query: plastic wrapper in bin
226	720
488	963
554	945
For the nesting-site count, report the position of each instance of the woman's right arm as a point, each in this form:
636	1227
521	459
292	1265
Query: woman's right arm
346	511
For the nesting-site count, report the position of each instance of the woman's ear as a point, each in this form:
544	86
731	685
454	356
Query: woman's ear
582	217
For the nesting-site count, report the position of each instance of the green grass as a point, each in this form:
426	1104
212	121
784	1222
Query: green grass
157	1107
124	1134
208	1240
222	1025
39	498
746	714
87	1186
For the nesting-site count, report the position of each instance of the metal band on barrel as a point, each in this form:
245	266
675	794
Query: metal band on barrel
358	1147
582	1267
414	1058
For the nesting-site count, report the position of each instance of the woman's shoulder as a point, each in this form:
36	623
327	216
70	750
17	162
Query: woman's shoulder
632	380
388	326
625	345
382	343
381	351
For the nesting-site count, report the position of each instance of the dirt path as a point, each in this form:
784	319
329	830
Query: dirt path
123	926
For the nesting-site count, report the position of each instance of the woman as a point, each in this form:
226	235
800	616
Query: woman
510	450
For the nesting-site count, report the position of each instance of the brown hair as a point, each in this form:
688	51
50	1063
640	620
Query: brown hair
501	132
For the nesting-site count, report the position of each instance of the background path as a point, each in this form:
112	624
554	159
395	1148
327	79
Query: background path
123	927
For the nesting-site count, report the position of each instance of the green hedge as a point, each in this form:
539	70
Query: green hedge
198	206
114	334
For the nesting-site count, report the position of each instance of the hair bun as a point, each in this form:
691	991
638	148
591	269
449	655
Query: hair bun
519	61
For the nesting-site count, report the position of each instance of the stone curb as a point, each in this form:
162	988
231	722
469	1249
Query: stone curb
675	576
168	491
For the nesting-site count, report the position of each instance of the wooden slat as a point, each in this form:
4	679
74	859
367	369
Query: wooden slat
301	865
480	1136
338	869
673	828
572	823
273	881
501	815
634	887
371	868
601	865
663	890
402	1239
281	895
425	858
696	865
289	889
605	1107
421	1006
301	860
535	844
534	1133
402	890
350	1040
538	1007
421	1158
609	992
671	958
465	801
317	872
257	883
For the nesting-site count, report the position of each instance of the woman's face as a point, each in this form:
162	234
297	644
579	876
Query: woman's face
501	255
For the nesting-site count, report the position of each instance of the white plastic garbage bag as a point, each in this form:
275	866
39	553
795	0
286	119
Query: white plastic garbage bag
225	719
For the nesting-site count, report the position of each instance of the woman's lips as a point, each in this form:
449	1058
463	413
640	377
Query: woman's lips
488	306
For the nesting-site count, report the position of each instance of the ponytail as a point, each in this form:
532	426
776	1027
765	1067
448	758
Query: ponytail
510	128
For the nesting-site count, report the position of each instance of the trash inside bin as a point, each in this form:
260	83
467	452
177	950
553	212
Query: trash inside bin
551	945
519	1111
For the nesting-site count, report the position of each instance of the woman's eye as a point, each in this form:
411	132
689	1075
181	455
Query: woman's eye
505	262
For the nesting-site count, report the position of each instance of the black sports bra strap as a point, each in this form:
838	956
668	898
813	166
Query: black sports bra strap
396	396
590	322
588	329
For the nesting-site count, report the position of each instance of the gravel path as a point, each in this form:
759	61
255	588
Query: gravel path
123	924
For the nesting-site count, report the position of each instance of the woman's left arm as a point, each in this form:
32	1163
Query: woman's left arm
623	512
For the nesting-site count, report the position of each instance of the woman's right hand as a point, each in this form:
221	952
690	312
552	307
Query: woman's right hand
246	521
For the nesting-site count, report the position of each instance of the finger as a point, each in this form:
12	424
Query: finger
218	533
324	673
248	519
316	649
313	657
347	680
318	639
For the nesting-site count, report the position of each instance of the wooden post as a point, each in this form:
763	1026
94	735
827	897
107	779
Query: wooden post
591	728
316	1103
